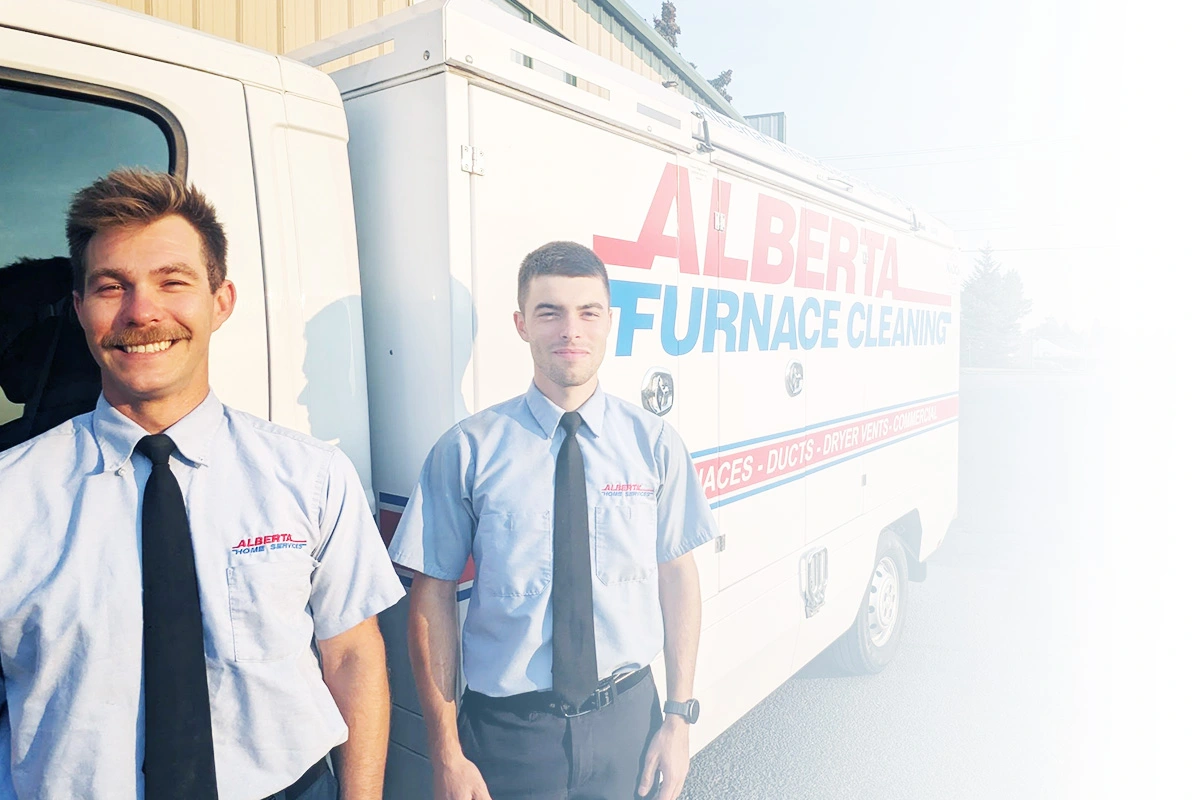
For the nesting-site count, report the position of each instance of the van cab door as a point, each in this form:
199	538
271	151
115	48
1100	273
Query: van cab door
70	113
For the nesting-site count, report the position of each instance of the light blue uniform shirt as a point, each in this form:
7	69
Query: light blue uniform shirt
487	490
286	550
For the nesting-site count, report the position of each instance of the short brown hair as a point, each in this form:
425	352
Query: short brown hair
140	197
568	259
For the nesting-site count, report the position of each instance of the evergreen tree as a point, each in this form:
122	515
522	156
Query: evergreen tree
666	25
993	303
721	82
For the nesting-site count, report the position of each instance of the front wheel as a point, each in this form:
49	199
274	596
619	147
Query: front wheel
874	637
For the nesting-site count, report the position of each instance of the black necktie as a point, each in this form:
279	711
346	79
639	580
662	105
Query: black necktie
179	744
574	631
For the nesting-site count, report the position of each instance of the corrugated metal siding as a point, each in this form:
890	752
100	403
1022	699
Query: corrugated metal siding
181	12
276	26
773	125
219	17
279	26
260	25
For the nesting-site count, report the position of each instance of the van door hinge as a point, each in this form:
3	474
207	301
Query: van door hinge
719	220
720	543
472	160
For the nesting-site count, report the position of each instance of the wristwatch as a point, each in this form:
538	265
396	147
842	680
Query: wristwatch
688	709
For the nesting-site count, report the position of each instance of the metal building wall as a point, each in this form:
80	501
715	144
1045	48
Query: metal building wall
571	20
280	26
273	25
773	124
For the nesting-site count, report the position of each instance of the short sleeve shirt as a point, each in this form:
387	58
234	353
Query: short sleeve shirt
487	491
286	549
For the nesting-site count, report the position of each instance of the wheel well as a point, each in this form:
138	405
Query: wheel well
908	530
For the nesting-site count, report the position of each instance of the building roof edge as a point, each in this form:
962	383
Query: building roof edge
627	15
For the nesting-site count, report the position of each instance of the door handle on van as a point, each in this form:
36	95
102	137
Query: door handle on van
658	391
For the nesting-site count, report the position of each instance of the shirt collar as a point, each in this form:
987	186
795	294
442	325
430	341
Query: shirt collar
117	435
548	414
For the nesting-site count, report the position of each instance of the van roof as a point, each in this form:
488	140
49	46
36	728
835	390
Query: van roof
478	37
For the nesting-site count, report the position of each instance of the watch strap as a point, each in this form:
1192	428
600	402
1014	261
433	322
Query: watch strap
688	709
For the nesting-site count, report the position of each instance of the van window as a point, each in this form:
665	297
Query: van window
52	143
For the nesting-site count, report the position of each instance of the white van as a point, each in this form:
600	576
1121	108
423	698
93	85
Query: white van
799	328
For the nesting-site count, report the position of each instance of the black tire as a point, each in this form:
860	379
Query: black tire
874	637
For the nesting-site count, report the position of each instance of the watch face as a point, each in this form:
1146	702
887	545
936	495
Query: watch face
693	711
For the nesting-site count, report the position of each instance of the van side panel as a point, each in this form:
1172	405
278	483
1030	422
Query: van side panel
413	212
314	304
414	245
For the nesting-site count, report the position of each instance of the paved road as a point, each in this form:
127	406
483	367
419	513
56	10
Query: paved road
994	691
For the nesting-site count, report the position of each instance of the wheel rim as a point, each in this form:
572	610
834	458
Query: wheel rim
883	606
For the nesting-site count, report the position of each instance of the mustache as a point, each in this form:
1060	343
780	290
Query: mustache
139	336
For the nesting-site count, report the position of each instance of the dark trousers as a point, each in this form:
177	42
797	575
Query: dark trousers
317	783
542	756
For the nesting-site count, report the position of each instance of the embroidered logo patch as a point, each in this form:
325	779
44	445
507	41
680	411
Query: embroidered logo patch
626	490
260	544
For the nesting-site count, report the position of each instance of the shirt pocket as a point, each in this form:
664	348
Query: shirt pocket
268	606
515	554
626	542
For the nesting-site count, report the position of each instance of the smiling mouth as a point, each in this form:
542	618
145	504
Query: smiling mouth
153	347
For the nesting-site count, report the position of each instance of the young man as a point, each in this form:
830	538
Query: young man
147	650
575	585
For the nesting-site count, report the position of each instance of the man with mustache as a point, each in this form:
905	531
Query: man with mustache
187	593
581	512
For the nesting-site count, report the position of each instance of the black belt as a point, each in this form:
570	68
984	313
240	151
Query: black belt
305	781
549	703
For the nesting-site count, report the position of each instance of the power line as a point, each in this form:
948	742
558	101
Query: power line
978	211
929	163
1037	249
948	149
1007	227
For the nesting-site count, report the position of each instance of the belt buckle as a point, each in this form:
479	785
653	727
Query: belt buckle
578	712
606	693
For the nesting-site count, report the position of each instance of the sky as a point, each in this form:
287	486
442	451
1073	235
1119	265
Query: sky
993	116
